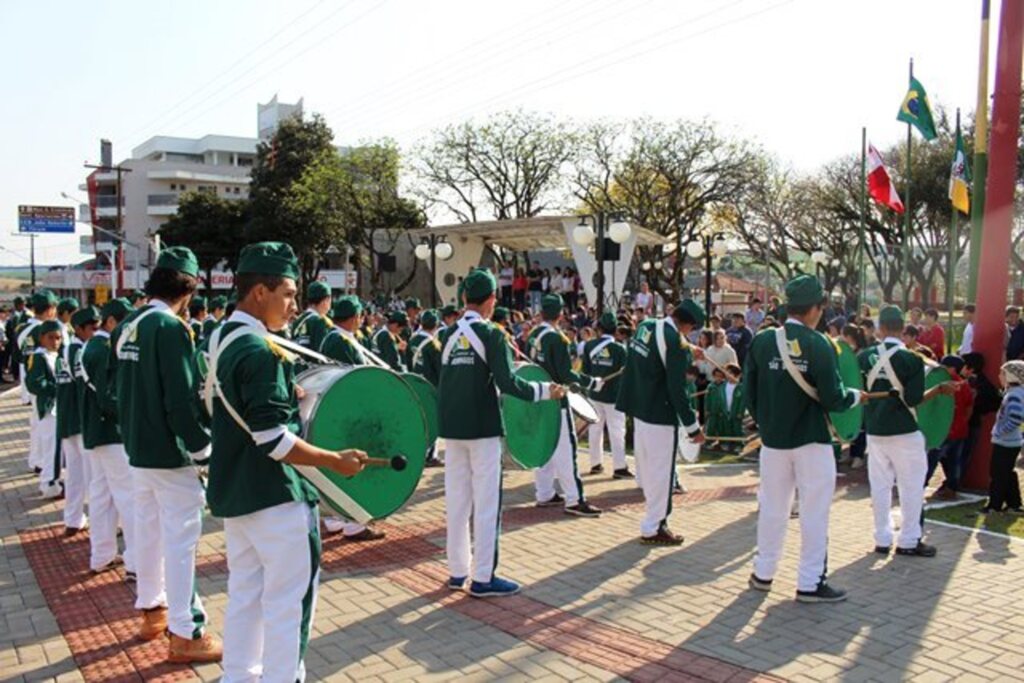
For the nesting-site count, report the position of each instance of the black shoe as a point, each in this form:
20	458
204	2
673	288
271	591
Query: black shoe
678	489
553	501
922	549
882	549
583	509
823	593
663	537
624	473
433	462
759	584
597	469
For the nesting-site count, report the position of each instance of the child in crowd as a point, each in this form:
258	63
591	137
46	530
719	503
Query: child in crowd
855	339
950	453
1004	487
714	406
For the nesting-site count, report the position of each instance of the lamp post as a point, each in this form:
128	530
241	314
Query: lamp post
433	247
585	235
709	244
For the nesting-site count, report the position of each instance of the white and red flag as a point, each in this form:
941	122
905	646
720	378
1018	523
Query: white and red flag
880	185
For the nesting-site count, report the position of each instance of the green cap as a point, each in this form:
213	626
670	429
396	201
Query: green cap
219	301
449	310
197	304
412	302
180	259
551	305
317	291
268	258
478	285
607	322
19	301
804	290
50	326
398	317
43	298
136	296
691	309
119	308
346	307
68	305
84	316
500	314
890	316
428	319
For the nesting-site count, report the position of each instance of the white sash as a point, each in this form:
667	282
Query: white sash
535	346
464	328
787	361
884	364
600	347
419	350
32	323
130	328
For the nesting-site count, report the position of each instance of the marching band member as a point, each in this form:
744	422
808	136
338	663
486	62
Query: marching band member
41	380
387	343
792	382
653	392
425	360
313	324
549	348
217	306
44	307
156	399
449	314
271	528
138	299
197	318
110	485
603	356
476	363
65	308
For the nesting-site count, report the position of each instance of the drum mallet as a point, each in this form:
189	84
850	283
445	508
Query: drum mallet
395	462
875	395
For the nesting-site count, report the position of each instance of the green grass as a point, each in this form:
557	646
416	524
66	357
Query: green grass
964	515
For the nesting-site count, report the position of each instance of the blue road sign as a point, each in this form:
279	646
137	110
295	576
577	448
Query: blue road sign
46	219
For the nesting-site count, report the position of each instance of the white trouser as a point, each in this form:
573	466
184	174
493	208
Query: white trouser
561	466
76	481
111	496
168	523
811	471
472	493
903	460
34	460
656	458
26	396
273	572
616	421
44	437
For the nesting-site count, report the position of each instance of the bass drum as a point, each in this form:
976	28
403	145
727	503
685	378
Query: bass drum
935	416
427	394
372	409
531	428
849	422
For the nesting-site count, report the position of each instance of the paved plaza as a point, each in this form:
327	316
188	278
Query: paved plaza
596	604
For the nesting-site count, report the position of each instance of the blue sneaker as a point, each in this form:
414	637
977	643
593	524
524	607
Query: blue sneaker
496	588
456	583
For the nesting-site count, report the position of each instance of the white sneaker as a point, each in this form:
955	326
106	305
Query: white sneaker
51	490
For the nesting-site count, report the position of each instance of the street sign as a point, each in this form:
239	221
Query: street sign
57	219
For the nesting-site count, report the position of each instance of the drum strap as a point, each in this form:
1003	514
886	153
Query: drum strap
464	328
545	330
419	349
884	364
129	329
32	323
600	347
81	365
798	377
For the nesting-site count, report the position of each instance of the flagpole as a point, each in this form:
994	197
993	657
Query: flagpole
953	237
863	209
906	223
980	158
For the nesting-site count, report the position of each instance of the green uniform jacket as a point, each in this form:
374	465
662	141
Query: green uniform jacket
385	346
343	348
652	390
197	331
787	417
99	410
30	342
609	359
156	390
552	352
310	328
467	393
889	416
723	420
209	325
69	413
246	473
428	361
41	380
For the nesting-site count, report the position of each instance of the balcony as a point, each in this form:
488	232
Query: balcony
165	204
106	205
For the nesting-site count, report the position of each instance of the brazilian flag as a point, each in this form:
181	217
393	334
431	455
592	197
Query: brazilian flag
916	110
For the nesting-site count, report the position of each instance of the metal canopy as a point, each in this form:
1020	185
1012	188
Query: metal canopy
525	234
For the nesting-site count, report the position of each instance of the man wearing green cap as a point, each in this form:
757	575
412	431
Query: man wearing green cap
138	299
271	528
476	364
449	314
653	392
603	356
69	419
387	343
197	318
41	380
217	306
792	382
152	375
313	324
413	308
65	307
896	446
44	307
424	353
111	494
550	349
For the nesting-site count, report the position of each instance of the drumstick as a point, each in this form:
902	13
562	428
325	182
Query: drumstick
395	462
736	439
876	395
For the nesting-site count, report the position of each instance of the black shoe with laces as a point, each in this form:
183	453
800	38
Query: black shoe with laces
759	584
583	509
624	473
823	593
922	549
596	469
554	501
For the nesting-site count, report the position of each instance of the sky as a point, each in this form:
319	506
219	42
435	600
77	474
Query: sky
799	77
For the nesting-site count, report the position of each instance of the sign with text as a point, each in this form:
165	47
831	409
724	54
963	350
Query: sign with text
46	219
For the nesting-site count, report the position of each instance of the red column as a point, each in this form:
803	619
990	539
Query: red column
994	274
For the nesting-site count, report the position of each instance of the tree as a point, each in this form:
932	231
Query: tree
211	226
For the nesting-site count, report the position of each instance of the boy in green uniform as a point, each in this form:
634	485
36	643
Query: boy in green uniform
475	365
313	324
449	314
387	343
271	528
603	356
26	335
217	306
69	419
156	400
138	299
714	407
197	318
41	380
424	352
653	392
550	349
111	495
792	382
65	308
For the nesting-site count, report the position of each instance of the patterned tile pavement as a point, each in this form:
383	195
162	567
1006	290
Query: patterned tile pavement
596	605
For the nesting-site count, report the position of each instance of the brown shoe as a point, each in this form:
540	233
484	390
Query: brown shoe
206	648
154	623
663	537
367	534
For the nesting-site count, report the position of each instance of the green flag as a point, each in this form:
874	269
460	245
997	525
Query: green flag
916	110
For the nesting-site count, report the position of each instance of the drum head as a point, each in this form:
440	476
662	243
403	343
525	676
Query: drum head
935	416
849	422
582	408
531	429
427	395
374	410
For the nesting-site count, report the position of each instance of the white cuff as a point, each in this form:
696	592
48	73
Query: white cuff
265	436
542	391
284	446
203	455
856	395
691	429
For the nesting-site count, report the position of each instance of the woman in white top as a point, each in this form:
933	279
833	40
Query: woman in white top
720	352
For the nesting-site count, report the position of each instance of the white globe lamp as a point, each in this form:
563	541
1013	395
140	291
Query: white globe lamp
694	249
583	235
422	251
443	250
619	231
720	248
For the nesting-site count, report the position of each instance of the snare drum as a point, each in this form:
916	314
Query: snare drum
584	413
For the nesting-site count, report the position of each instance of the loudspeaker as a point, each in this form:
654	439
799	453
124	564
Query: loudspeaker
611	249
387	263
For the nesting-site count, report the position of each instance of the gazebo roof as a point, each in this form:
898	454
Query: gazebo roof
525	234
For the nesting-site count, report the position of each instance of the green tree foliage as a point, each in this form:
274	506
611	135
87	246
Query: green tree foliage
209	225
